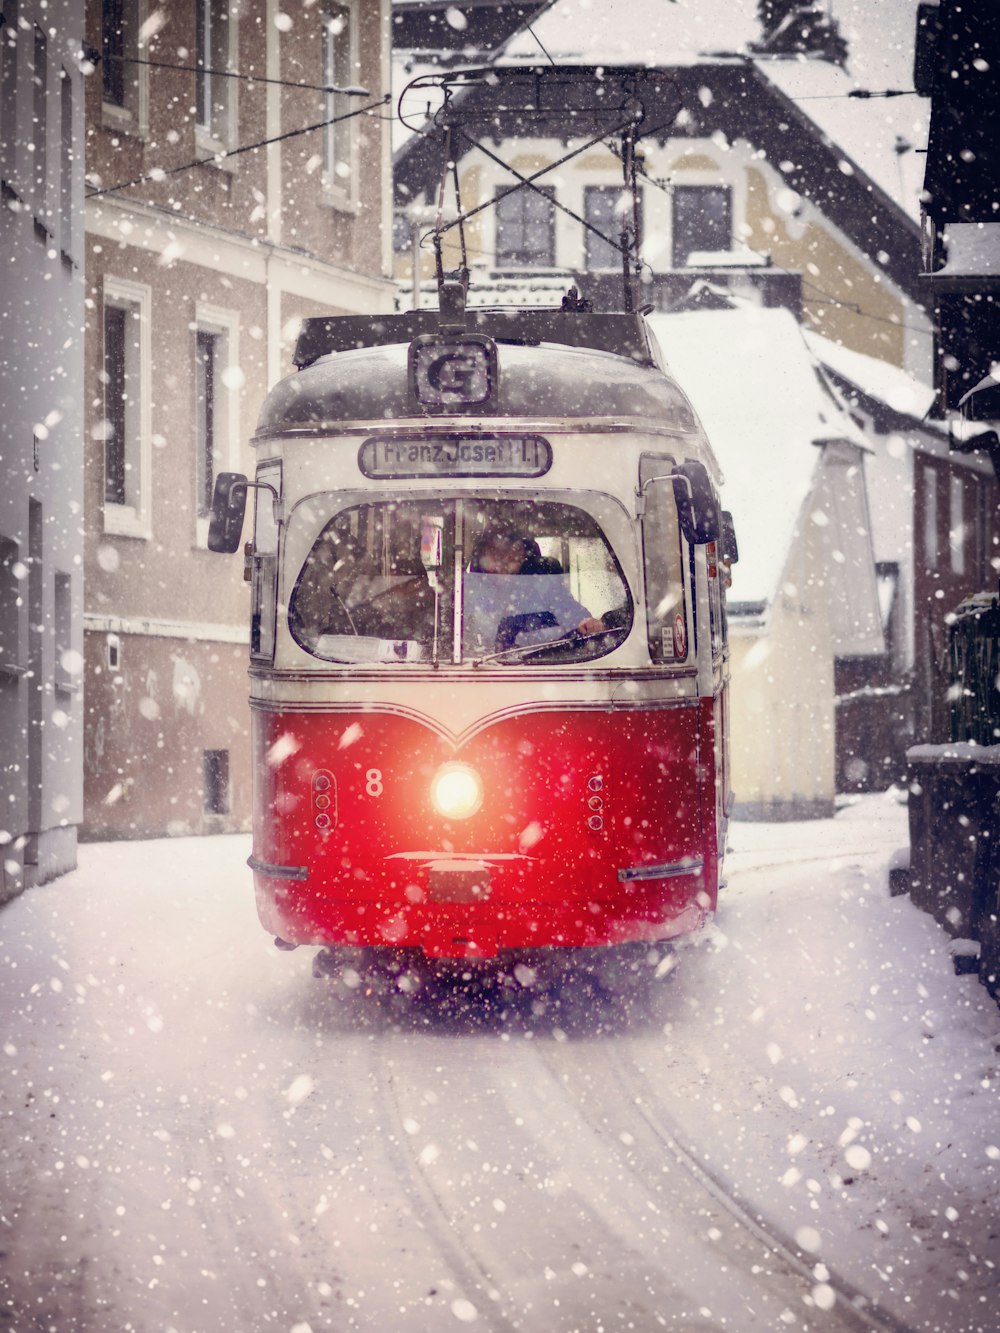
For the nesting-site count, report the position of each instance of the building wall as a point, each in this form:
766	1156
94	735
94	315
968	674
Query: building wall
41	434
238	248
846	295
956	553
784	753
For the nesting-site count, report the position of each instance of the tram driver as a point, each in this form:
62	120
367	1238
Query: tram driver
514	595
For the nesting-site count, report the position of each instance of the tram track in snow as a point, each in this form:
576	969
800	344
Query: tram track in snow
853	1311
430	1207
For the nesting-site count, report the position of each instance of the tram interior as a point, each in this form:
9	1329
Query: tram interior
460	578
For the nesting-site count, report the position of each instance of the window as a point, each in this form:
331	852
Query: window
66	166
116	398
264	564
118	50
402	234
339	136
12	573
215	782
216	405
662	550
956	523
702	220
206	368
456	580
525	228
930	494
214	89
126	426
602	208
66	678
8	90
39	123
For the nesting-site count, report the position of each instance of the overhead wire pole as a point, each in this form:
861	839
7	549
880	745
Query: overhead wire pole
628	243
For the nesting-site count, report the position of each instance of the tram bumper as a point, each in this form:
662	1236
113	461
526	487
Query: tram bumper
475	906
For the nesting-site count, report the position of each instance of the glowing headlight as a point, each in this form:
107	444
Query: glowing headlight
456	791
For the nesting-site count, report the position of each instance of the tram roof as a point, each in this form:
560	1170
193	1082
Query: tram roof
552	364
622	334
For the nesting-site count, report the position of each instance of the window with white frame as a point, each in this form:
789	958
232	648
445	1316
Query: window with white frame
8	92
603	209
124	82
526	228
206	372
339	59
39	124
11	582
930	508
127	416
216	405
956	523
703	220
66	670
215	89
66	153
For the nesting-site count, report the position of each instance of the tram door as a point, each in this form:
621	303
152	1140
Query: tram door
665	807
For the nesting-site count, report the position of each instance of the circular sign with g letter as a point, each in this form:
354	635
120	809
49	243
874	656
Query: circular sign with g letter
680	636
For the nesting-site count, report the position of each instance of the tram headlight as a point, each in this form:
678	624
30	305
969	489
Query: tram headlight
456	791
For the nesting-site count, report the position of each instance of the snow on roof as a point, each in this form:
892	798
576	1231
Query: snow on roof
888	384
761	398
644	32
880	135
973	250
655	33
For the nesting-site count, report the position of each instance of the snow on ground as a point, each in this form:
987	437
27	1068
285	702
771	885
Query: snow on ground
199	1137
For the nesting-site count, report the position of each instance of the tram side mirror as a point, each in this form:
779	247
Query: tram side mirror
229	503
697	506
730	548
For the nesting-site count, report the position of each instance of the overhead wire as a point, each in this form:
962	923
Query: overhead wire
158	174
352	90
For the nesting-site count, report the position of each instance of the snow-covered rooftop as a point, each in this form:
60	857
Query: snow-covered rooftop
973	250
759	393
880	135
891	385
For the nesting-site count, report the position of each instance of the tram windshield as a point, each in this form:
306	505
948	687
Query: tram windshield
462	579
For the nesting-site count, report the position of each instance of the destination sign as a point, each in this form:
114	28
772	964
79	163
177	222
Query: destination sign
456	456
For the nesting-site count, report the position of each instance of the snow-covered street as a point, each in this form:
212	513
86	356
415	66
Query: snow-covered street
200	1137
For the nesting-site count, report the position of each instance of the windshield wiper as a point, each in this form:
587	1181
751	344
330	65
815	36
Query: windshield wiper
531	649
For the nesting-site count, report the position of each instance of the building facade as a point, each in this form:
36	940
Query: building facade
737	189
41	439
957	57
237	181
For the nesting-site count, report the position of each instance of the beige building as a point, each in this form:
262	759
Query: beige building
756	225
230	193
804	595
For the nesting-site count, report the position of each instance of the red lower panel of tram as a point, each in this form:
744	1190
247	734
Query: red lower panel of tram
567	828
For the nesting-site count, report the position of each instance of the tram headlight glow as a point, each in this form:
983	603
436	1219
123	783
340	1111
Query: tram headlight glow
456	791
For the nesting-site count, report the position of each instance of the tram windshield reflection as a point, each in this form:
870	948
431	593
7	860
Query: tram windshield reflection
458	579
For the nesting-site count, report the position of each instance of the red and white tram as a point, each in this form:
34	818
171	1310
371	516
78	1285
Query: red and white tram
488	648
